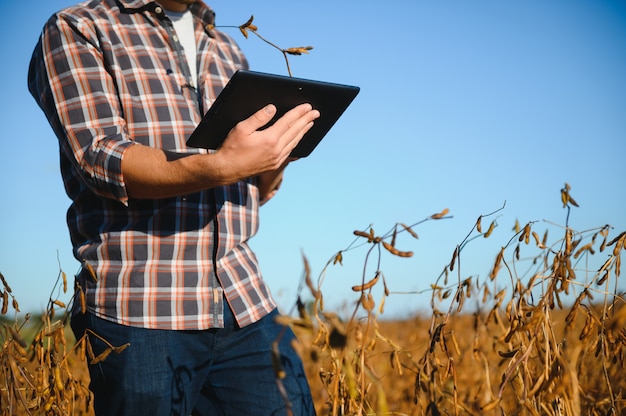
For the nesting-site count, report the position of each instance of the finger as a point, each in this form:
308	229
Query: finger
295	137
258	119
300	127
291	118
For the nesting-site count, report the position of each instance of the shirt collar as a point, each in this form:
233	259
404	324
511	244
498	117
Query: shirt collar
199	9
134	4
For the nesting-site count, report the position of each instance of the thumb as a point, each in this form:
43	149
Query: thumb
258	119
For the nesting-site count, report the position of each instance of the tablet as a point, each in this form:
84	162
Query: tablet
249	91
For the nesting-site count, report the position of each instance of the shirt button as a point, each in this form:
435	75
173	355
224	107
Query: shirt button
158	10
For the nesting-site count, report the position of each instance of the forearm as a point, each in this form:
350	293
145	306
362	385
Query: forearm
151	173
246	152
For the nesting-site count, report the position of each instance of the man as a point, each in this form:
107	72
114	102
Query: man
161	229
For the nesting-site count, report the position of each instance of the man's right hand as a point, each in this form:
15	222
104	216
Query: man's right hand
250	151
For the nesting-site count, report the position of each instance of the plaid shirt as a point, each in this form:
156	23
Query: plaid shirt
110	74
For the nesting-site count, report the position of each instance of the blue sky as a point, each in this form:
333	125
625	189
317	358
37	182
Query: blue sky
463	105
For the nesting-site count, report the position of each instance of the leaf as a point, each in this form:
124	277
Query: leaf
490	229
4	282
516	227
248	24
395	251
368	285
299	50
564	197
440	215
338	259
410	230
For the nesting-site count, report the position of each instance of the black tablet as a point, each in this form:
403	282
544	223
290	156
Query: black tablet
249	91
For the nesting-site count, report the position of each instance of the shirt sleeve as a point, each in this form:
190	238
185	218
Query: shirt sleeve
69	79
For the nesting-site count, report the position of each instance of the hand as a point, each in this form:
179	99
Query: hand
248	151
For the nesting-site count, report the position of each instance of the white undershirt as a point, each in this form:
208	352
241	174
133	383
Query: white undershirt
184	26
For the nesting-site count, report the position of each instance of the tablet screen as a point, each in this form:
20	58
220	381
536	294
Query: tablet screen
249	91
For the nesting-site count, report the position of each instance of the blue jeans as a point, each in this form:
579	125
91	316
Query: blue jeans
225	371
